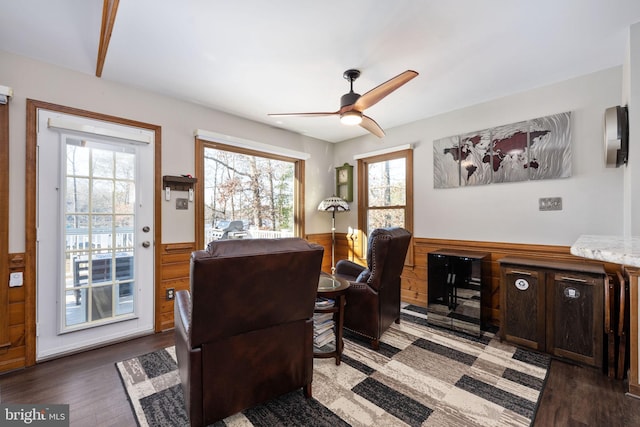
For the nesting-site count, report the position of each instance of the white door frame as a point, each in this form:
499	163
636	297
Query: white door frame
30	260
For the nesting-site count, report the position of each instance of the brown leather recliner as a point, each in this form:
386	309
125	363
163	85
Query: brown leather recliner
373	299
244	333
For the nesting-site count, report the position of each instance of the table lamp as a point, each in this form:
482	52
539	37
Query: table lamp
333	204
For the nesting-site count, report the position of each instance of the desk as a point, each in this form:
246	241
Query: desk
333	288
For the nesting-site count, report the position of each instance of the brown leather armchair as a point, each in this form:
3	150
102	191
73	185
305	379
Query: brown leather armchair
373	299
244	332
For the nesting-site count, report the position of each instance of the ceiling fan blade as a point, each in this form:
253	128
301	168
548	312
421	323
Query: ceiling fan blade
369	124
319	114
376	94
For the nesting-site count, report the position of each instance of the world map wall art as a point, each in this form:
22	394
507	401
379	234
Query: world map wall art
530	150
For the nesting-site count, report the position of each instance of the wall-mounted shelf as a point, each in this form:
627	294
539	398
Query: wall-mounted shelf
178	183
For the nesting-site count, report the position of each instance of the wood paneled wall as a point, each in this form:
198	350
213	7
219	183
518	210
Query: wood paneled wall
415	283
174	267
342	250
174	273
14	356
414	276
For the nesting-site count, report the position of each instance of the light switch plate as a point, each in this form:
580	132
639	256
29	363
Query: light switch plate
15	279
182	204
550	204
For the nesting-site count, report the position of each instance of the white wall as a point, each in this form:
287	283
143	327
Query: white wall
45	82
592	197
632	178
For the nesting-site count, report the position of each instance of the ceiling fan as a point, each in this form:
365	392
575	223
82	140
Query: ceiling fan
353	104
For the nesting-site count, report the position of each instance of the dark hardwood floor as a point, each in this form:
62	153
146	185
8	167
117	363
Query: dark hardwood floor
581	396
87	381
90	384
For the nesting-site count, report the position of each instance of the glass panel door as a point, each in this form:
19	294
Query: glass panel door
99	213
95	219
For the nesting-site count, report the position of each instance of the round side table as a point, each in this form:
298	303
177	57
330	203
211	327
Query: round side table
331	287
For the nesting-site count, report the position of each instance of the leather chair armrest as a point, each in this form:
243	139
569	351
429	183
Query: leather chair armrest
348	268
182	315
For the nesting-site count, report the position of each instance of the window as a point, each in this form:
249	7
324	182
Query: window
246	194
99	231
385	192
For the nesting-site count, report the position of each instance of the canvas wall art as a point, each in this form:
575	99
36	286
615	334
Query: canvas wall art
530	150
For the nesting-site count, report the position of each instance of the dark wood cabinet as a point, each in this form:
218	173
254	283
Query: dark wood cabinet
554	307
523	306
455	282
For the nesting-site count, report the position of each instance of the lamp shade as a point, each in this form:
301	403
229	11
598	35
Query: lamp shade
333	204
351	118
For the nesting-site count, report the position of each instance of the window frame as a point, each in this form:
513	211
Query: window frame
363	196
298	190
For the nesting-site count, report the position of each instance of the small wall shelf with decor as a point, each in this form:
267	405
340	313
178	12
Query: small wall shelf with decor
178	183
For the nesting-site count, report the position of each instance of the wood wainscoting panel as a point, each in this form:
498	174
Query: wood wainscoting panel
324	240
413	288
343	248
414	279
14	356
174	274
498	250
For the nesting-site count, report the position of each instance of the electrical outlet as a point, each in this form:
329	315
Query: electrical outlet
171	293
550	204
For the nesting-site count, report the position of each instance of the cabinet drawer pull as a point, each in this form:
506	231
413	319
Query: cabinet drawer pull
573	279
524	273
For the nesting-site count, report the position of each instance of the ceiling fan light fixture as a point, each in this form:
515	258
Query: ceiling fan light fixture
353	104
351	118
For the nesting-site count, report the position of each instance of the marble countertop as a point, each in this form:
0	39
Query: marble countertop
615	249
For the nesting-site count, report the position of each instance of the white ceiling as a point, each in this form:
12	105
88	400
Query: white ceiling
254	57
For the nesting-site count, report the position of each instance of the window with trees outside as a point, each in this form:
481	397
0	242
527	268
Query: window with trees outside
247	194
386	191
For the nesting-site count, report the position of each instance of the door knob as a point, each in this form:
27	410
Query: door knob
146	244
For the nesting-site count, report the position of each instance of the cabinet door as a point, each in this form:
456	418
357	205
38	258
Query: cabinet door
523	307
574	329
438	278
438	308
465	315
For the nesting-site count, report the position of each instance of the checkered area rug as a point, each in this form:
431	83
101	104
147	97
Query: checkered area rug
420	376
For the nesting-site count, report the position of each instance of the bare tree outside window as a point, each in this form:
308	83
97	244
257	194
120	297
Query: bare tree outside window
386	194
247	196
385	189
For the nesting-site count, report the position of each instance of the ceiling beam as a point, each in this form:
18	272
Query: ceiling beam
109	10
